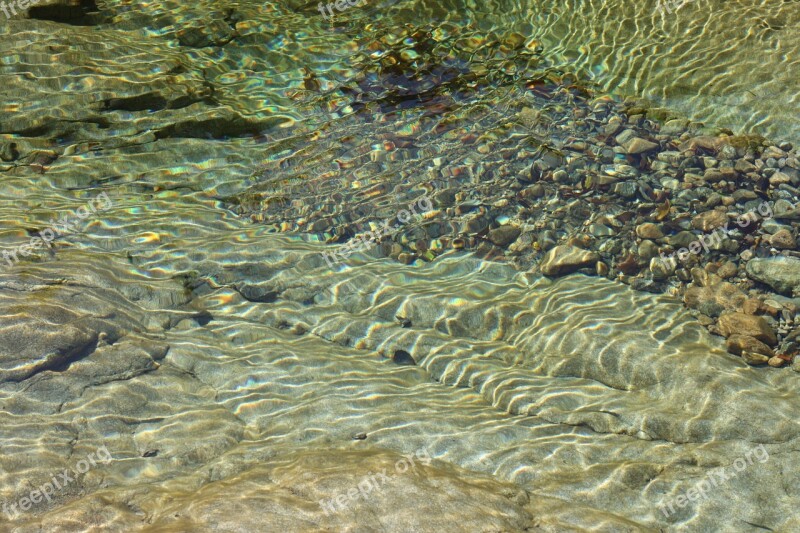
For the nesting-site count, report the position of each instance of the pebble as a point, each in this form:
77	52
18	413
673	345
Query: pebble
565	258
783	240
728	270
710	220
648	230
776	362
737	344
638	145
661	269
504	235
754	358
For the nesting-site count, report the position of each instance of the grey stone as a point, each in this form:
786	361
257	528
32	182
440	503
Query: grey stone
681	239
780	273
504	235
784	209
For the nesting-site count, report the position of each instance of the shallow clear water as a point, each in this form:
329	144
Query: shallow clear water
192	336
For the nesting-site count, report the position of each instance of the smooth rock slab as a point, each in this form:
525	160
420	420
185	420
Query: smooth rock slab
29	345
780	273
333	490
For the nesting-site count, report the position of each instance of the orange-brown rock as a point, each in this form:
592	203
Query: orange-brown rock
776	362
648	230
742	343
749	325
710	220
714	300
751	306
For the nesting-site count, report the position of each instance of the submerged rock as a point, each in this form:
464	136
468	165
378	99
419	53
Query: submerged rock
737	344
649	230
504	235
637	145
30	345
710	220
331	490
752	358
783	240
752	326
565	258
780	273
714	299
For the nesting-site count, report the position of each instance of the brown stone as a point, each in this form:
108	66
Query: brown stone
704	278
751	306
742	343
710	220
783	240
580	241
728	270
648	230
776	362
754	358
705	142
405	258
637	145
564	259
771	308
715	299
704	320
749	325
779	178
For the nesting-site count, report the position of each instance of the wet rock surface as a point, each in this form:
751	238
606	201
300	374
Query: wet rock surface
217	432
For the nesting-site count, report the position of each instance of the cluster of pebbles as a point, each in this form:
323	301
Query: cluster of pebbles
546	174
